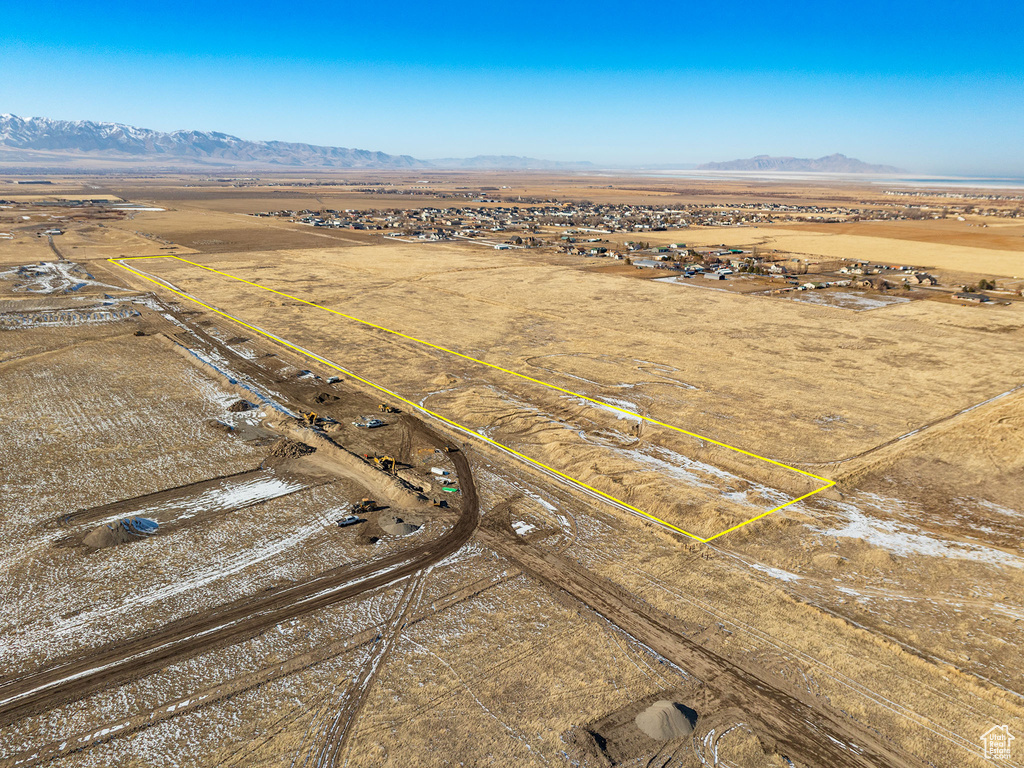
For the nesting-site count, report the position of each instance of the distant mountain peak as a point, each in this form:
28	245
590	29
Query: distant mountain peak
835	163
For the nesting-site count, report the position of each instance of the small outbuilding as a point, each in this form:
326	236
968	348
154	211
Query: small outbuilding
974	298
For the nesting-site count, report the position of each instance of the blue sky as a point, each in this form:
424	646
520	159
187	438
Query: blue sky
933	87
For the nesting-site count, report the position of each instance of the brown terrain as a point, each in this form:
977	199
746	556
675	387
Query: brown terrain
494	604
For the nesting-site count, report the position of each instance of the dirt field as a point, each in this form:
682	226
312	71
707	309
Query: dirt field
528	621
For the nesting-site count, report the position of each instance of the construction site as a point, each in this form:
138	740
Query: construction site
277	495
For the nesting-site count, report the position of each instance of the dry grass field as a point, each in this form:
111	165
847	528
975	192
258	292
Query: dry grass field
891	602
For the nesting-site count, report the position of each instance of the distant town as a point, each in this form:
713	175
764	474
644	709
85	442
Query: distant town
584	229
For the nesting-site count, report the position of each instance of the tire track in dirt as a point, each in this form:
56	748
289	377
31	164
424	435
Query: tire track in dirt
807	732
107	731
916	432
231	623
336	735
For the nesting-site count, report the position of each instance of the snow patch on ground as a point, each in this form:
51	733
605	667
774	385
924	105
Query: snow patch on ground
906	540
232	494
843	300
707	476
610	406
989	506
53	277
629	406
776	573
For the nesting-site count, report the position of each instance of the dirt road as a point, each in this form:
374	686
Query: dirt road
55	249
806	731
342	715
106	730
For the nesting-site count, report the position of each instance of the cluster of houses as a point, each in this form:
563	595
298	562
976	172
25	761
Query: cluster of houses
488	215
580	228
485	214
866	268
488	212
710	263
720	263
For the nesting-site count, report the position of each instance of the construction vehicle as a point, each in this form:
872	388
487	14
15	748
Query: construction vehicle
443	503
315	420
363	507
386	463
385	408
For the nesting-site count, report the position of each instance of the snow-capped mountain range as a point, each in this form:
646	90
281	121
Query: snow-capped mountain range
42	141
116	139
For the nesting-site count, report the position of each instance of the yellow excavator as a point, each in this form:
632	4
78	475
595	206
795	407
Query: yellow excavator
309	419
315	420
385	463
385	408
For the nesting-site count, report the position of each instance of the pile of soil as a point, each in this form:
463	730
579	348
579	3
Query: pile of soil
325	397
443	380
290	449
665	720
241	406
107	536
399	526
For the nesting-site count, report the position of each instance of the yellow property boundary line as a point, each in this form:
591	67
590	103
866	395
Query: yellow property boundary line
416	406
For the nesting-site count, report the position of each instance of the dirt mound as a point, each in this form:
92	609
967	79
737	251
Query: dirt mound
290	449
107	536
665	720
399	526
443	380
128	529
325	397
241	406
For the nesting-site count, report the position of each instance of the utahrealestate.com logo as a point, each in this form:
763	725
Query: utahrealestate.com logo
996	742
